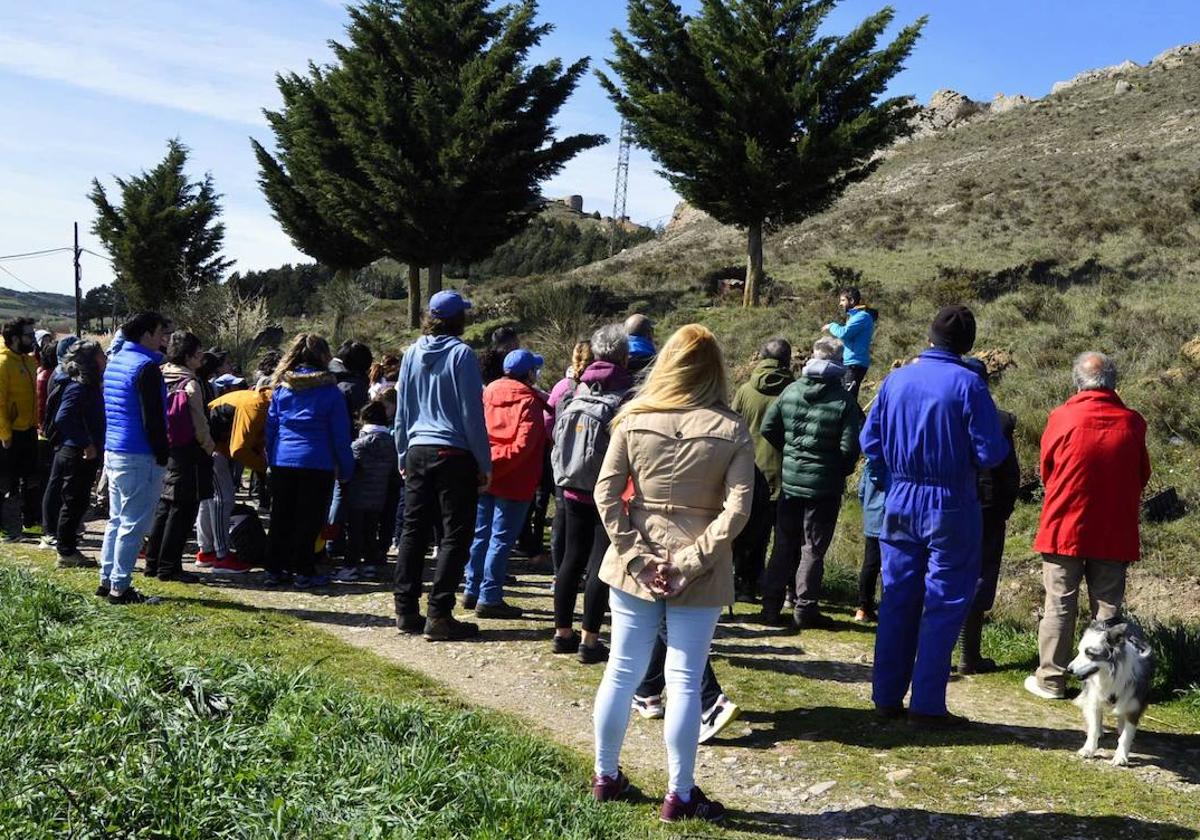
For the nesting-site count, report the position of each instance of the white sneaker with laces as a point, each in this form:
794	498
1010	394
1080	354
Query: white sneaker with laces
1038	690
716	717
650	708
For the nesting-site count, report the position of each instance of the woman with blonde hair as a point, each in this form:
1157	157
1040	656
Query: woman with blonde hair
691	464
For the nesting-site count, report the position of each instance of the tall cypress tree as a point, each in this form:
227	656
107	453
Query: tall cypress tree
164	237
754	117
449	129
309	149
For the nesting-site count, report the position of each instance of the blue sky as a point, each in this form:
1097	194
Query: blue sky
95	89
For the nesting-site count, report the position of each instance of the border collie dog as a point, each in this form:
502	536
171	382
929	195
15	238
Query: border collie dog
1116	666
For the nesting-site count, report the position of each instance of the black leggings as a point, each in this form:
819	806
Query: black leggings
173	524
299	506
586	542
868	575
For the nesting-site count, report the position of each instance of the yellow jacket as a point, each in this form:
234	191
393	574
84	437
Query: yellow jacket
18	393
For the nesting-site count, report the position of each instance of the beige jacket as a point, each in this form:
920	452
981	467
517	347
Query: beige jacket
693	484
174	376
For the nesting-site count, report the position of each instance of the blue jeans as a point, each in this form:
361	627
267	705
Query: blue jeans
635	628
498	523
134	486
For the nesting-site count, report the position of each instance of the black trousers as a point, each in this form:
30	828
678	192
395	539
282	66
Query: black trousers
68	494
750	546
299	505
853	379
586	541
389	519
803	532
558	531
868	575
995	529
533	536
173	524
19	481
362	537
655	680
440	484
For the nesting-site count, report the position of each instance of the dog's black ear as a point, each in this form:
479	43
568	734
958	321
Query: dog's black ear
1116	633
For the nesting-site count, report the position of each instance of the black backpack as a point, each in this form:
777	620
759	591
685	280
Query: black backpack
54	397
246	535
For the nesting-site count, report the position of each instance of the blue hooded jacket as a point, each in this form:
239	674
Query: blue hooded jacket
872	491
856	336
308	426
934	425
441	399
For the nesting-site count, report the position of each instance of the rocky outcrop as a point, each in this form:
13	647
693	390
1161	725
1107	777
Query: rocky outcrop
683	217
946	109
1176	55
1002	103
1098	75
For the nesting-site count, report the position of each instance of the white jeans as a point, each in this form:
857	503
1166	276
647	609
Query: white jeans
635	626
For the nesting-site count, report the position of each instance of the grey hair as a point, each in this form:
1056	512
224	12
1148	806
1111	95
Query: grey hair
829	349
1092	371
778	349
80	363
611	344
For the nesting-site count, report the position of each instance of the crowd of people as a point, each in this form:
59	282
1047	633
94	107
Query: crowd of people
673	496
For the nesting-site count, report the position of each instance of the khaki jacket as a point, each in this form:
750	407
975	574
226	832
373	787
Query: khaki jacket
693	484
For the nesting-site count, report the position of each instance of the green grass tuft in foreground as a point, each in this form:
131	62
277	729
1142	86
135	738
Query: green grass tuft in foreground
118	723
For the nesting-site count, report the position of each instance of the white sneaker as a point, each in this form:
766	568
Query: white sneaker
650	708
1037	690
716	717
346	574
47	541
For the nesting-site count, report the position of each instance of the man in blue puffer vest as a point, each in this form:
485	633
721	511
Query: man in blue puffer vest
933	426
856	335
136	450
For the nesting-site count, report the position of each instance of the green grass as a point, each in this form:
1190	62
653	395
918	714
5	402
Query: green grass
204	720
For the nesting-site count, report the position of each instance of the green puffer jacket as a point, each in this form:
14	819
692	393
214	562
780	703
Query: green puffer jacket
752	401
815	424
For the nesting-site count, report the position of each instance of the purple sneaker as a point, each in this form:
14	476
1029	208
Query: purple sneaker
698	807
608	788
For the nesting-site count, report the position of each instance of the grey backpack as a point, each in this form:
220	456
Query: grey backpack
581	438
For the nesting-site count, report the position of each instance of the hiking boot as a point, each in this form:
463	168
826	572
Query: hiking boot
650	708
470	602
179	577
449	629
1034	686
698	807
972	661
206	558
500	610
773	618
745	593
103	589
132	596
276	579
716	717
231	564
982	665
889	712
411	625
814	621
75	560
865	615
593	654
567	644
310	581
608	788
936	723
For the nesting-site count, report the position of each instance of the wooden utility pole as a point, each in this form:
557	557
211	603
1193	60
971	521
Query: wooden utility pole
78	293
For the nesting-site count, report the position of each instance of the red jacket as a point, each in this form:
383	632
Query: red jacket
517	433
1094	466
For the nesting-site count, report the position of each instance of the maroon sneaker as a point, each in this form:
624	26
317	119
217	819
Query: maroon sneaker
608	788
699	807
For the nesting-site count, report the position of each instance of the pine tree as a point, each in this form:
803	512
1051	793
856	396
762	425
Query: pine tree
449	130
164	237
752	116
309	146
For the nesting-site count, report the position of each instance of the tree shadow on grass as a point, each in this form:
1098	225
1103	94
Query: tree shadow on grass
876	823
813	669
1179	754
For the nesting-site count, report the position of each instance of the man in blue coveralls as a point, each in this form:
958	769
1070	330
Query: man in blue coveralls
934	426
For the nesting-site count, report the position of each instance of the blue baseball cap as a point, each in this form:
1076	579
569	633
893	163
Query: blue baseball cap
519	362
448	304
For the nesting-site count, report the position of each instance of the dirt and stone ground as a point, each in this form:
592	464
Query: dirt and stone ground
807	758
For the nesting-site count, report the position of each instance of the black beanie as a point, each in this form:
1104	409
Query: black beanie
953	329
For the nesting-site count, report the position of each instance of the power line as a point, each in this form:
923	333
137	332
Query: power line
22	282
31	254
94	254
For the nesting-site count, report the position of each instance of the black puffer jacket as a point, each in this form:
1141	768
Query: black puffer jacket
998	487
375	462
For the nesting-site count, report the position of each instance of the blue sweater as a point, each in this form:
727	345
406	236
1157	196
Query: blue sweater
441	399
80	417
308	426
856	335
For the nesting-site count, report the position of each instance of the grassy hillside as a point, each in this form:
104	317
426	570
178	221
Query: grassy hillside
48	308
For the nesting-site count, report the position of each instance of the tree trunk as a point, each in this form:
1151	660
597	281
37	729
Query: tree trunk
414	295
435	278
340	276
754	264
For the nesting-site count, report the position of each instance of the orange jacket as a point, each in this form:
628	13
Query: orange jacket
517	434
248	438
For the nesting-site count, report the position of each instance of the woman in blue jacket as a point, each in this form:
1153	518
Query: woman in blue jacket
308	448
856	336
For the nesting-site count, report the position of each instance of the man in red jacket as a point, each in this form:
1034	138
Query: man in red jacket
1094	466
516	429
